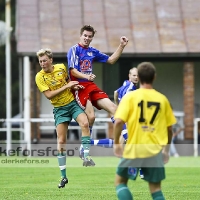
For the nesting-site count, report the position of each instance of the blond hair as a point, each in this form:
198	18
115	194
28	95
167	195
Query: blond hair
43	52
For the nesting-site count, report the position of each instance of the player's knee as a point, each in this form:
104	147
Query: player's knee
61	140
113	109
91	119
119	180
84	124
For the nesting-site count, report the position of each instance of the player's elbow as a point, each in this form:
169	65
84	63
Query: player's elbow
49	97
111	60
73	71
119	122
48	94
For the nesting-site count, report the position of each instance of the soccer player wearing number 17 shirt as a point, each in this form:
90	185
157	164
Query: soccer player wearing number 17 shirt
149	119
80	59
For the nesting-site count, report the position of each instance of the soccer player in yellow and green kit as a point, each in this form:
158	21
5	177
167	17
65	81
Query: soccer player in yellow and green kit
149	119
53	82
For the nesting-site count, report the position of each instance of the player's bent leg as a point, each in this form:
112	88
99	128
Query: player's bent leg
155	189
82	120
89	110
120	180
91	118
110	107
85	140
61	130
122	190
107	105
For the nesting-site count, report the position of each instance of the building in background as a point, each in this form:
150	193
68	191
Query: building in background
163	32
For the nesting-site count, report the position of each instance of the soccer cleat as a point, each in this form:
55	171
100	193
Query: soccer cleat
63	182
81	152
88	162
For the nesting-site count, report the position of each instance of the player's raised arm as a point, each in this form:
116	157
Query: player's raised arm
115	56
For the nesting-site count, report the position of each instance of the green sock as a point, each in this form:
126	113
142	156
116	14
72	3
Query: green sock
86	145
123	192
158	195
62	164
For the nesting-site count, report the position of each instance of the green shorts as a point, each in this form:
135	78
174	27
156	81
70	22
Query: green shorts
152	168
67	112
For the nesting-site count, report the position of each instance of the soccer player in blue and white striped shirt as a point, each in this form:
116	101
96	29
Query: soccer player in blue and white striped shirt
128	85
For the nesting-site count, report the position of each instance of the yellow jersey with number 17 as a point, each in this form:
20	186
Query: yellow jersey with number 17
148	114
53	81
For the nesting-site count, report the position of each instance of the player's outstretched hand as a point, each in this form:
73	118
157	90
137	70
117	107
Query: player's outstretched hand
123	41
118	150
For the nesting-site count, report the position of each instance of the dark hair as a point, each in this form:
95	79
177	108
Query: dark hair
88	28
146	72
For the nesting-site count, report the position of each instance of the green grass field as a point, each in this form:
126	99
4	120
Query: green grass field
37	181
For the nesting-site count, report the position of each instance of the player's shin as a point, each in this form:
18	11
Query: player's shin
85	140
87	160
62	163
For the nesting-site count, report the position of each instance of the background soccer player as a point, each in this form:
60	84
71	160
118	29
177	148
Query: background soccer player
149	119
128	85
53	82
80	59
